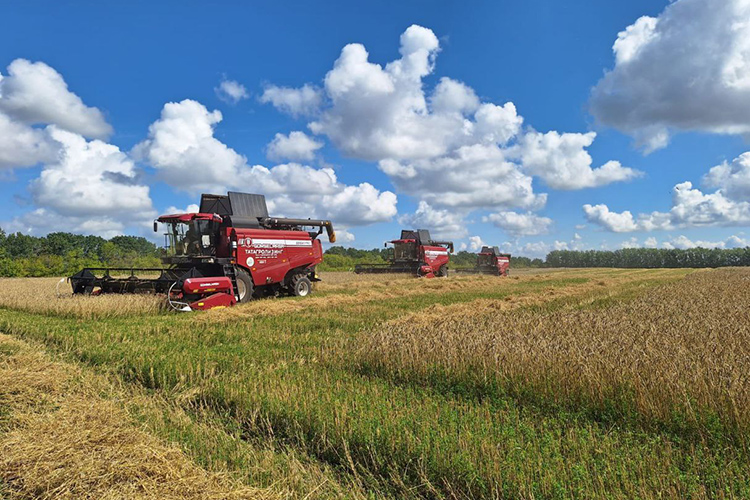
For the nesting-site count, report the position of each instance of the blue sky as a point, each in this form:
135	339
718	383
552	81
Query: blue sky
101	153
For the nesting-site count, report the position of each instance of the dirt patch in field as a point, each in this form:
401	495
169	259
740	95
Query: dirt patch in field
60	439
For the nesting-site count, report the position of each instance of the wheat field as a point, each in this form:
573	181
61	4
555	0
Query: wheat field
590	383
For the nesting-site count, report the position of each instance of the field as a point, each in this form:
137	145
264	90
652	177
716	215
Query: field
589	383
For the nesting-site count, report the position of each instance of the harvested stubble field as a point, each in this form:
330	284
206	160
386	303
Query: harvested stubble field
551	384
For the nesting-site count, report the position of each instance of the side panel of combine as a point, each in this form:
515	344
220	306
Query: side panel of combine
269	255
435	257
503	264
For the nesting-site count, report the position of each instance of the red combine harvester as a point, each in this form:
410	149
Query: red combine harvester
414	253
490	261
228	252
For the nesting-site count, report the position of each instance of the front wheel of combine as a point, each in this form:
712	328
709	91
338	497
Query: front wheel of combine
443	272
301	286
244	286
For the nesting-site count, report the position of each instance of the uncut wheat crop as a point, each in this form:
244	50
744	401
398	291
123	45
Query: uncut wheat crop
679	355
50	296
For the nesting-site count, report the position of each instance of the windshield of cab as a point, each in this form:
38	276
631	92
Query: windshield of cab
484	259
405	251
190	238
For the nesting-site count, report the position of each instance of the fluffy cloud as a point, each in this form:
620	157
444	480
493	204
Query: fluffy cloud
34	93
231	91
91	178
732	178
687	69
451	96
472	177
563	162
443	146
518	225
441	223
346	205
612	221
42	221
22	145
182	148
683	242
690	208
476	243
91	187
191	208
304	101
295	146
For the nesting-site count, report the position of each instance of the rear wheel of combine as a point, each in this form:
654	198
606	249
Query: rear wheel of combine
443	271
244	285
301	286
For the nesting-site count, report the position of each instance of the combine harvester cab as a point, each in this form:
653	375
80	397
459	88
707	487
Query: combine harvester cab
490	261
228	252
414	253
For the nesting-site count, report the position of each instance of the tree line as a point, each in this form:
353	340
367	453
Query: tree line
650	258
63	254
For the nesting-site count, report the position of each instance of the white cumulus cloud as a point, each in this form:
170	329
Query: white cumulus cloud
304	101
690	208
231	91
91	187
476	243
296	146
440	223
686	70
562	161
22	145
34	93
183	149
517	225
732	178
442	145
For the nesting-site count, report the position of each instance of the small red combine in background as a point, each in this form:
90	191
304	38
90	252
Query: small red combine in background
415	253
490	261
228	252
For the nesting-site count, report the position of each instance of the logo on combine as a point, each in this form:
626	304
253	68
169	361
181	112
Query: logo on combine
434	253
250	262
208	284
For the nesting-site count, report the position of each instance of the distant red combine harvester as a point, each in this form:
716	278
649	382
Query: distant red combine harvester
228	252
490	261
414	253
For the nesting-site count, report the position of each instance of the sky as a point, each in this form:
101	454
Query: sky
534	126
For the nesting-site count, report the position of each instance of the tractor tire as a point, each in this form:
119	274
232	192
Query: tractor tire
443	272
300	286
245	286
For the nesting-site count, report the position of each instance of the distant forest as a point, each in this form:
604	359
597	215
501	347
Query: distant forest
62	254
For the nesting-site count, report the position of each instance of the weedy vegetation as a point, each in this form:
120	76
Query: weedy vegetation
596	383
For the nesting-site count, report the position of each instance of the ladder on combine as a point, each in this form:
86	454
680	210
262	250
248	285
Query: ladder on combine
230	273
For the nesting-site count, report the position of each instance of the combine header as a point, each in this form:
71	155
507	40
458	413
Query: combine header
490	261
414	253
228	252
